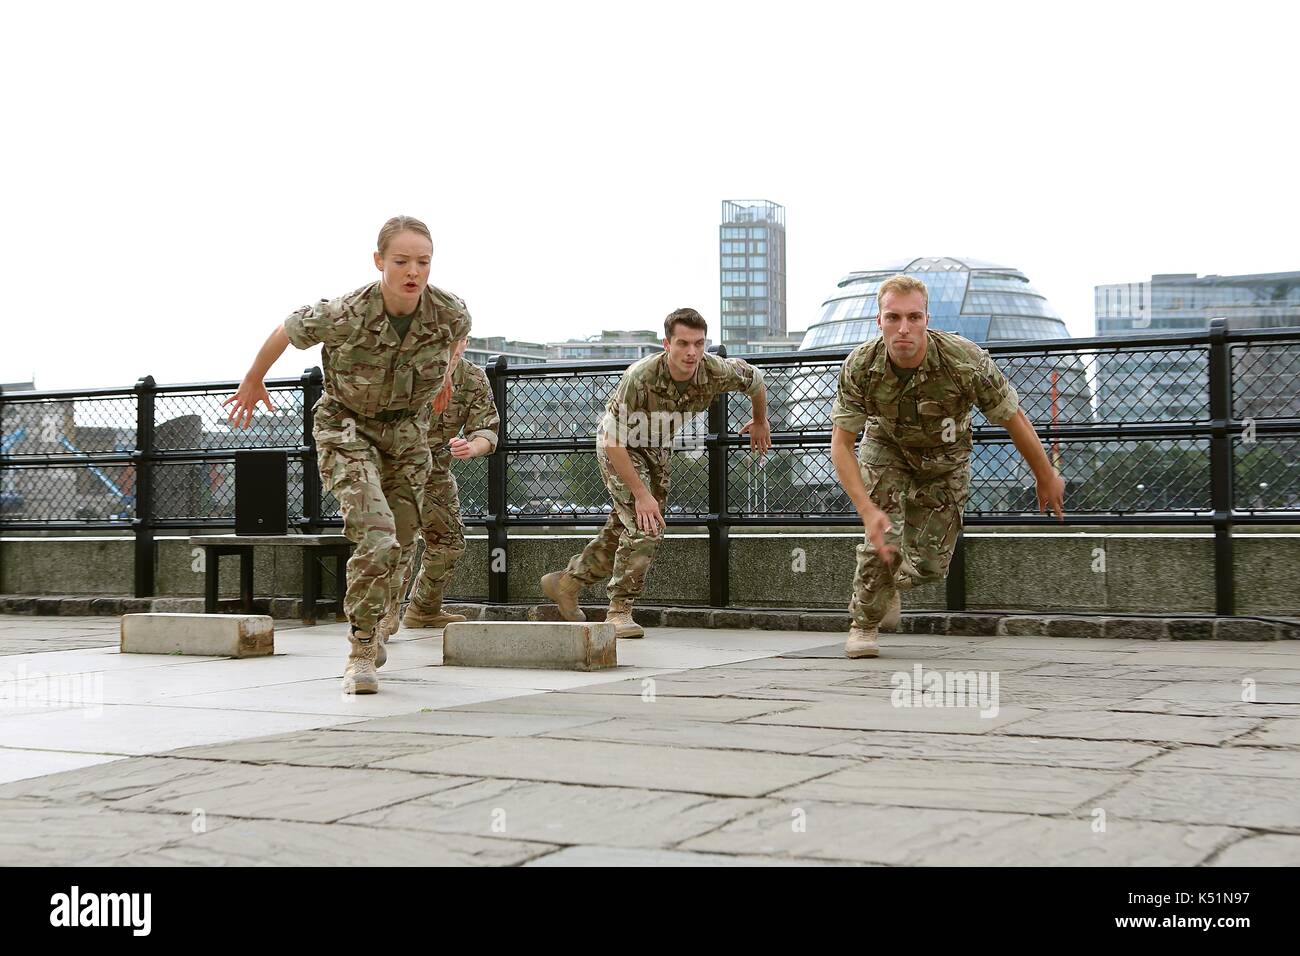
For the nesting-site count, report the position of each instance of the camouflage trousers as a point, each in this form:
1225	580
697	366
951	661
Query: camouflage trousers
443	533
623	552
924	493
377	471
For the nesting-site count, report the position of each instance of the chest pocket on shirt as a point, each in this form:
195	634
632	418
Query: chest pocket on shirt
359	377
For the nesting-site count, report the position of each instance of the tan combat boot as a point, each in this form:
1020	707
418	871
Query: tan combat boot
560	587
359	677
433	616
895	614
620	615
862	642
384	630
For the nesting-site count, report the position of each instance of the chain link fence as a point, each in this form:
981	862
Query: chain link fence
1189	428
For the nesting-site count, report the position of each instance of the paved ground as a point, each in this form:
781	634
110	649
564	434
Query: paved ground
704	747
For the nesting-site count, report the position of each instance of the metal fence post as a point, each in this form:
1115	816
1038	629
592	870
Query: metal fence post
718	521
143	521
498	512
1221	494
311	486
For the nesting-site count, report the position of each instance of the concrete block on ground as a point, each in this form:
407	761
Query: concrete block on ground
202	635
554	645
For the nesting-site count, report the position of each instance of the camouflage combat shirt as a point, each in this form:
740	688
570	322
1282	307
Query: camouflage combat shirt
471	408
367	368
648	408
954	375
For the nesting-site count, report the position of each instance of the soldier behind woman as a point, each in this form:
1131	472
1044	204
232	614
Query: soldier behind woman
472	409
386	355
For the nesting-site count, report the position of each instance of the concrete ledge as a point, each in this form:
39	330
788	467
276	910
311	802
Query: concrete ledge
201	635
553	645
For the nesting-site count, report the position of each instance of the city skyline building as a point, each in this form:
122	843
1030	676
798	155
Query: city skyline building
1171	384
751	260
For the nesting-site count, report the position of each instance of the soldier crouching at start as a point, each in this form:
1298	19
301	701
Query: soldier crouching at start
913	387
634	448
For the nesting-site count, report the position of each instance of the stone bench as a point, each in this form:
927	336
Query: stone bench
315	547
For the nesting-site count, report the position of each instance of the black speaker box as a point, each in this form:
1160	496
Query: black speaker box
261	492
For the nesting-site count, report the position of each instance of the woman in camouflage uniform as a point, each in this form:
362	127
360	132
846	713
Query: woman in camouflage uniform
386	356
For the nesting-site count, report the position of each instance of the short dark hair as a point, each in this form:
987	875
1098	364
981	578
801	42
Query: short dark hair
687	317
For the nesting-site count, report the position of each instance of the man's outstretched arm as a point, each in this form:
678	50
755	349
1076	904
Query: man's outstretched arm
1050	485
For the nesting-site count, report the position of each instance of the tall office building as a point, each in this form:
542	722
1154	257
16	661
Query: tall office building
752	272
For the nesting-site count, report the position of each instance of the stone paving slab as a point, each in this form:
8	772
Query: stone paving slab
1238	761
1200	708
36	833
1166	673
996	748
622	857
889	836
707	734
1268	803
321	748
718	772
227	788
1284	732
1227	691
1024	788
562	813
881	715
472	724
903	836
1108	725
612	705
292	843
1270	849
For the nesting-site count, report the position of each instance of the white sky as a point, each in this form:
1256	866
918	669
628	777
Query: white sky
178	178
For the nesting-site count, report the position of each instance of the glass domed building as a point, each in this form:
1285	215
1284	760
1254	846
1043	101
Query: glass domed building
985	303
978	300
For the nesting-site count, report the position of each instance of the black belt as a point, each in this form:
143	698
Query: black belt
387	417
395	415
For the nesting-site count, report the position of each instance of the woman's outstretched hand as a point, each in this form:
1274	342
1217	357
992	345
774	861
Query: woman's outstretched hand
251	391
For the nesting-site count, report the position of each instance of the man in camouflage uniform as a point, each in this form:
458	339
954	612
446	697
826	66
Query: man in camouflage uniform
386	356
472	409
654	399
914	387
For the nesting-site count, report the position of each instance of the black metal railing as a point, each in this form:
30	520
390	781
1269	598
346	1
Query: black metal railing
1186	429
